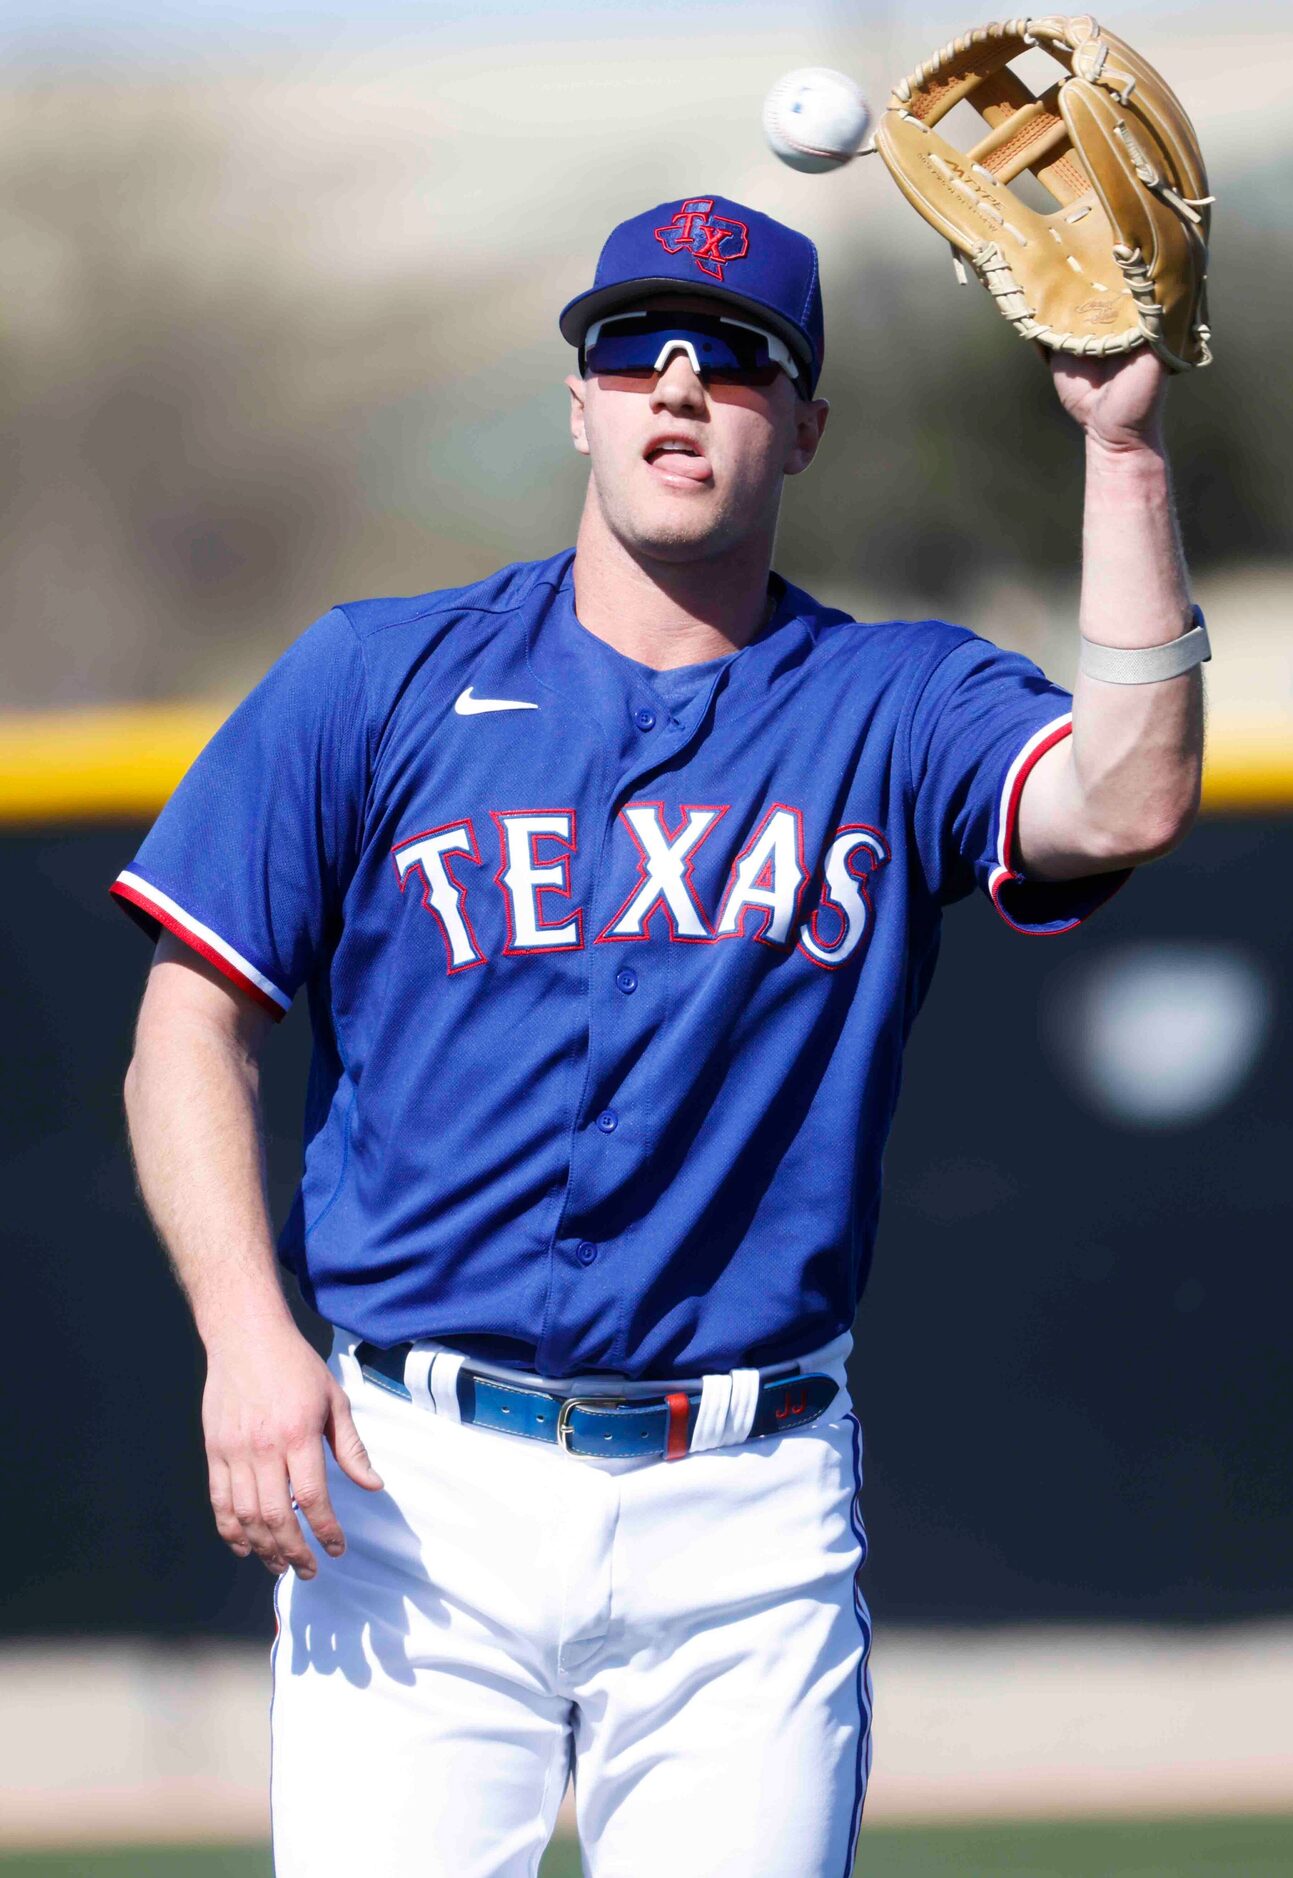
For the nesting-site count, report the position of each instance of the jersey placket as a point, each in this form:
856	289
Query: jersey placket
628	995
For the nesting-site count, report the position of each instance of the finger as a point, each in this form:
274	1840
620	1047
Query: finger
352	1455
309	1485
227	1523
280	1519
246	1508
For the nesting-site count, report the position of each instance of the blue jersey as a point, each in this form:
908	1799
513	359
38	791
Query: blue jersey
609	985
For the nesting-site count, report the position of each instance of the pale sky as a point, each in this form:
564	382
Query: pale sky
66	33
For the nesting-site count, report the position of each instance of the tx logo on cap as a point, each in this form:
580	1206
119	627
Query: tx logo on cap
713	243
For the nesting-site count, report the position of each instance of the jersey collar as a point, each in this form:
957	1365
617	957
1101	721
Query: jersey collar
590	679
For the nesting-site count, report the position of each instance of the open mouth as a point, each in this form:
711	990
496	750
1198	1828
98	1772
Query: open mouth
678	459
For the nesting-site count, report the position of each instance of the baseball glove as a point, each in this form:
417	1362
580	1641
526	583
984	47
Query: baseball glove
1121	259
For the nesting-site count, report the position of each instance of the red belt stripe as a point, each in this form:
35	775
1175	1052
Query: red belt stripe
676	1443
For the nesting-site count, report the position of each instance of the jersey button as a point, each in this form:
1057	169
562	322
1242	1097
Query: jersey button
627	979
645	718
585	1251
608	1121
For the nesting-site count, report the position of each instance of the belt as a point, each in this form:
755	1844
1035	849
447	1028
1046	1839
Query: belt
614	1427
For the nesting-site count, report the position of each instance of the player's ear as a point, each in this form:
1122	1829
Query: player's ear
810	421
577	388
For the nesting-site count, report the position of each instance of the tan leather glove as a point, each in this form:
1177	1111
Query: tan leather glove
1121	259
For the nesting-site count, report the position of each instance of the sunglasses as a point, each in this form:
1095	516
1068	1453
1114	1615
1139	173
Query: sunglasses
633	347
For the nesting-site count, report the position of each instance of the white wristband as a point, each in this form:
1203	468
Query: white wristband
1147	665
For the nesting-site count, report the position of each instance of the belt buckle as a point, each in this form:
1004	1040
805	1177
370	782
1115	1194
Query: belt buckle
573	1402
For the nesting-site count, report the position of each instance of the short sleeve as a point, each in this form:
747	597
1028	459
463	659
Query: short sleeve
249	860
982	720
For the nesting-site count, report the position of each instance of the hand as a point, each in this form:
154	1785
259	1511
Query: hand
268	1406
1118	402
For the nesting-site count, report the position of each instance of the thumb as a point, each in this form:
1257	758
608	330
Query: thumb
352	1455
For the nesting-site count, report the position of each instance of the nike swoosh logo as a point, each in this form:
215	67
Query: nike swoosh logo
467	706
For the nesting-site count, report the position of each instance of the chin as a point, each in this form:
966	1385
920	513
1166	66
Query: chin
681	537
679	548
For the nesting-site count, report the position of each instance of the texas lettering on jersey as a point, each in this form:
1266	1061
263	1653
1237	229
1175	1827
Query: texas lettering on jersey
769	895
609	979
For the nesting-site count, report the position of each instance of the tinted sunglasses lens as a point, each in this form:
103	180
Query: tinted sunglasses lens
632	347
760	375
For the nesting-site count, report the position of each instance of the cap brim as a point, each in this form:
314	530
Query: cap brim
579	315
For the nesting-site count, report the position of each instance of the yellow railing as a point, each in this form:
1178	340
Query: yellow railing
103	763
120	762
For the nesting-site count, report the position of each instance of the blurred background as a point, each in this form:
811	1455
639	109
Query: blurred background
278	329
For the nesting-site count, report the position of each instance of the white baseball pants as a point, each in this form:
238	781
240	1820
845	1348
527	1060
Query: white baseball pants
686	1636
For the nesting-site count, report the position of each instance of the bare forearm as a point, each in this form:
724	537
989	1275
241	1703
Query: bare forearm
192	1101
1125	786
270	1404
1137	749
1135	588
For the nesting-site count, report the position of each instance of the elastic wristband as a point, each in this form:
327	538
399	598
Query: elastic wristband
1147	665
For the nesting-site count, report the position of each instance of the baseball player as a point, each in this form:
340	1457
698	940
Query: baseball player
614	882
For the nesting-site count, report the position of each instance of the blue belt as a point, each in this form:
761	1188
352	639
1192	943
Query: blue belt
616	1427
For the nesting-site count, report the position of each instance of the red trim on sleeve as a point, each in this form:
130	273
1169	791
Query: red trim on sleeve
209	953
1006	873
1006	845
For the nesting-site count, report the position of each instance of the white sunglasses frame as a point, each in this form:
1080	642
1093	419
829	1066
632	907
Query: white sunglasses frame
778	351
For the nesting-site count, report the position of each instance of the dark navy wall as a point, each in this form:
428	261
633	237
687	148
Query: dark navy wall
1072	1364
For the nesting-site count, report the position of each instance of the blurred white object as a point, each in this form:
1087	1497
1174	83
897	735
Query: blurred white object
815	119
1160	1033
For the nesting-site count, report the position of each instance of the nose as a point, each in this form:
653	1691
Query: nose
678	388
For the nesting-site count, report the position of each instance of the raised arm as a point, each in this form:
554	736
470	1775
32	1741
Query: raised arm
1125	787
192	1102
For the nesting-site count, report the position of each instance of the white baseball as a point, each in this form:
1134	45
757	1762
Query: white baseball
815	119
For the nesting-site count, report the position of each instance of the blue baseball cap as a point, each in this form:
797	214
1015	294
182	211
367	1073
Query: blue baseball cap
706	244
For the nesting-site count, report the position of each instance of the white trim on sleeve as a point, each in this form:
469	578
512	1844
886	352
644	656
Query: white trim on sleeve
1013	787
144	894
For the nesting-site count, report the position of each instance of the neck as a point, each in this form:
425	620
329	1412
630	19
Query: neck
668	613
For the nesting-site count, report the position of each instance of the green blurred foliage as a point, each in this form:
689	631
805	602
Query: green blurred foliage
237	385
956	464
1208	1848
